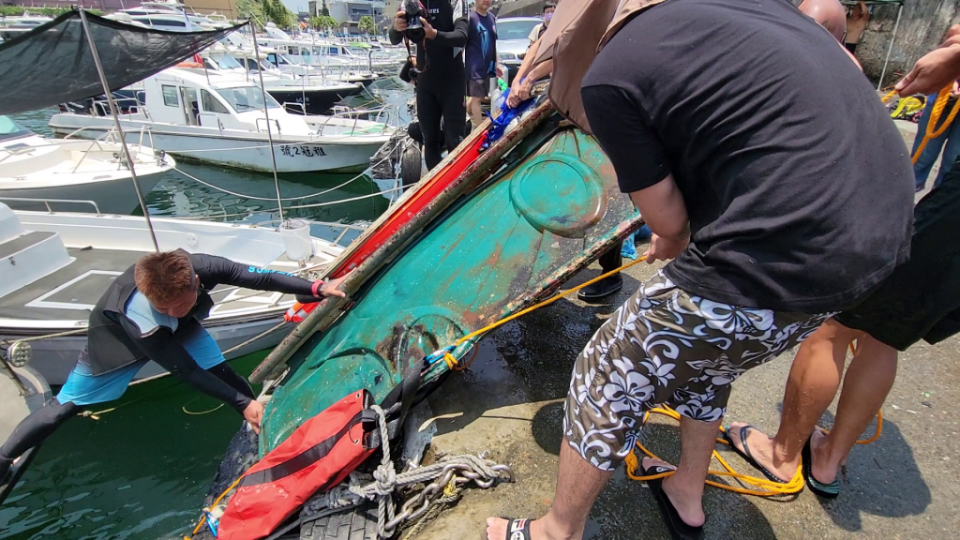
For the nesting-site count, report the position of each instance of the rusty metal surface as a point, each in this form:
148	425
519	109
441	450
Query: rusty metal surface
331	308
508	243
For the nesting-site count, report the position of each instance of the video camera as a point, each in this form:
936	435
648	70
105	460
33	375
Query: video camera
414	10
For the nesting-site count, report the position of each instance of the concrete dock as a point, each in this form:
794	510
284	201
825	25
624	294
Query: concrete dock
510	404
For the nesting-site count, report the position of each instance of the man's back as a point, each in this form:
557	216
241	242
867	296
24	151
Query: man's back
796	181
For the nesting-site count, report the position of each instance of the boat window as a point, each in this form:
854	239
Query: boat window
170	98
164	22
212	104
246	98
334	51
12	130
225	60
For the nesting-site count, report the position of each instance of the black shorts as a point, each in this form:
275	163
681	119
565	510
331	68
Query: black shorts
478	87
921	299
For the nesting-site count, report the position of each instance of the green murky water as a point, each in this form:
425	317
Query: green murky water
142	470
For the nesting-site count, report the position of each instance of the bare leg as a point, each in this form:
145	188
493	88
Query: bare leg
473	109
685	487
865	387
578	486
811	386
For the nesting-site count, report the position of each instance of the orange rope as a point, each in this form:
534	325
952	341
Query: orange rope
933	131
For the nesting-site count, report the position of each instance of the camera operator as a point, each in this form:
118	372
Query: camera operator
440	39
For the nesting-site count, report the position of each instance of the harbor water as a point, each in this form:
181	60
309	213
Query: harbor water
141	470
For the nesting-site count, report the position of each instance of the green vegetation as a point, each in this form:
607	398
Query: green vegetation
261	11
366	25
323	23
16	11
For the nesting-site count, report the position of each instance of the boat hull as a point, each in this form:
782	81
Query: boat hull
112	197
503	245
239	152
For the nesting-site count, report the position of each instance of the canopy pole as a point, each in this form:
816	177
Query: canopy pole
273	151
890	47
116	120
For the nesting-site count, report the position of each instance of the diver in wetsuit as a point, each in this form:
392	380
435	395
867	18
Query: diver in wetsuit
153	312
440	78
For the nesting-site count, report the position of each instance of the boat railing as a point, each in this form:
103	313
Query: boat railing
295	105
101	107
201	116
266	125
46	202
341	112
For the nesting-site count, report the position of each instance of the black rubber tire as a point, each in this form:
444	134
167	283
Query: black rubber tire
411	166
358	523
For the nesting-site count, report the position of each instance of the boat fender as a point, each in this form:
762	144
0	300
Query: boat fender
299	311
320	454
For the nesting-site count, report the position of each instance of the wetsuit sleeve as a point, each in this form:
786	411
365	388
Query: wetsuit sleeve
163	348
219	270
454	38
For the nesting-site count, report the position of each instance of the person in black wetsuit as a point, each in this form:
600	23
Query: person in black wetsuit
440	81
153	312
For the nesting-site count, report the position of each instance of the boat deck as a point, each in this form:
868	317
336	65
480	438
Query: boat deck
71	292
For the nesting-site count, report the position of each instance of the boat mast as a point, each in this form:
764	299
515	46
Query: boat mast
273	152
116	120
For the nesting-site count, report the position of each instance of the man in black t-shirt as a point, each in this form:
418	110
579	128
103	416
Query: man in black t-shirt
778	188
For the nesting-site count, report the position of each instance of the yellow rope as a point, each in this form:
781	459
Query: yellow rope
203	518
453	363
760	487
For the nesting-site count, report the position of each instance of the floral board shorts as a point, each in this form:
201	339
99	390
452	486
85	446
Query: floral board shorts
666	347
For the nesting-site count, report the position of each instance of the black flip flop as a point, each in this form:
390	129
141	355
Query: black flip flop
827	491
745	454
679	530
518	529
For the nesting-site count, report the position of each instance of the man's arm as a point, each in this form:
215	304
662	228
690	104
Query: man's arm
225	271
399	25
935	70
454	38
642	165
162	347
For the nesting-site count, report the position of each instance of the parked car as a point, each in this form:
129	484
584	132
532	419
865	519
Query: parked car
513	39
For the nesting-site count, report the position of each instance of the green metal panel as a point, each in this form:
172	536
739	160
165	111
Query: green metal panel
509	242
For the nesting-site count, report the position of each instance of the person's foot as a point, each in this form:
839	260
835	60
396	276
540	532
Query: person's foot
820	466
540	529
688	506
601	289
762	451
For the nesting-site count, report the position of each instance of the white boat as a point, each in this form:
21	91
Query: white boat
167	15
11	27
32	167
55	266
302	95
220	119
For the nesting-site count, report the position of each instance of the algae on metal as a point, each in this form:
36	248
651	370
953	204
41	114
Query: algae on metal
509	242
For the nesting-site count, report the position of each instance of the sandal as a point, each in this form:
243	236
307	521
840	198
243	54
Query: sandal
827	491
745	454
519	529
679	529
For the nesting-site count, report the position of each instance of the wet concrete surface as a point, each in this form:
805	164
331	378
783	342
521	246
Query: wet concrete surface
509	404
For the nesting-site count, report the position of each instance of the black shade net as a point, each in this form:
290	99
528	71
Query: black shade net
53	63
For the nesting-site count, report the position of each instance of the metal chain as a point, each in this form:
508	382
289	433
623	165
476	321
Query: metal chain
454	470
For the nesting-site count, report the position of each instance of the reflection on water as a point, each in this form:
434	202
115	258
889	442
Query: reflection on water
142	471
